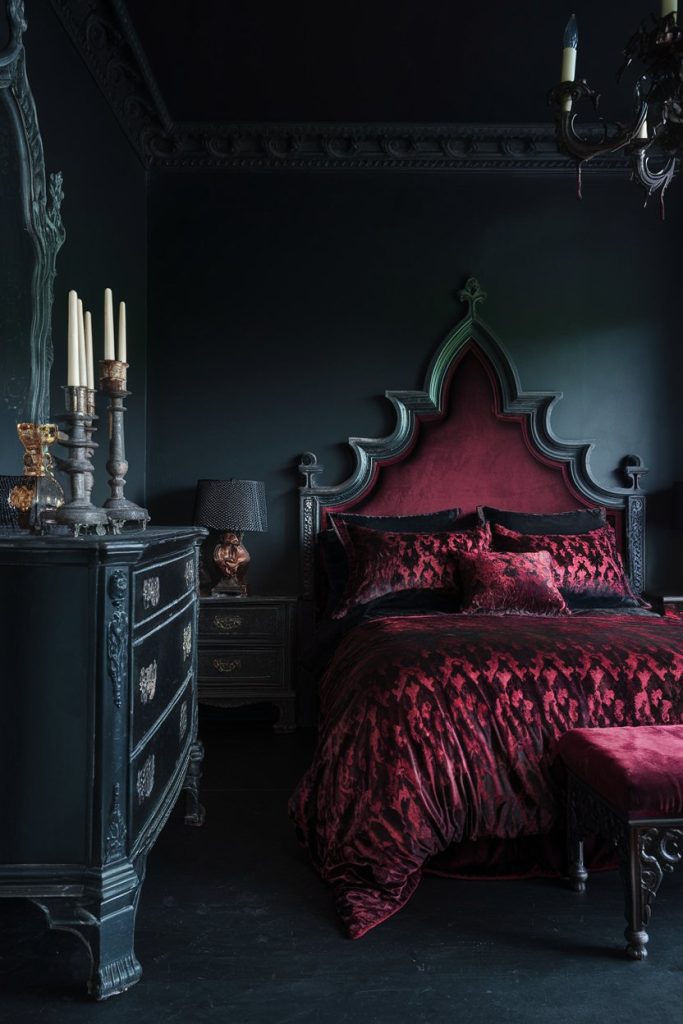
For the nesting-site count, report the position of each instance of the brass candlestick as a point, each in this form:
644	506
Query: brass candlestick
79	513
120	510
38	498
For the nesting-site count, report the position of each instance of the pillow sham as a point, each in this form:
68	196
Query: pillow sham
588	567
385	563
333	560
514	583
580	520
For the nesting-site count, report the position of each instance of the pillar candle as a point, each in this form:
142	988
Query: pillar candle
82	371
73	371
570	45
108	325
122	332
89	364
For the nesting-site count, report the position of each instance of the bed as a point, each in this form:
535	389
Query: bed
470	593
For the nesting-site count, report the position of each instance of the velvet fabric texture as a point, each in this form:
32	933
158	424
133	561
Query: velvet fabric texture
638	770
579	520
589	569
441	729
385	563
507	582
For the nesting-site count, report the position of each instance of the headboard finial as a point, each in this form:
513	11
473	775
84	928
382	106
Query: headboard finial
472	294
310	469
633	468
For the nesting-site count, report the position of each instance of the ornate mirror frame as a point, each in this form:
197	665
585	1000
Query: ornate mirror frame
40	209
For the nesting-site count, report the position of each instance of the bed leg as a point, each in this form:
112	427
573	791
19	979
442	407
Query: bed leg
577	869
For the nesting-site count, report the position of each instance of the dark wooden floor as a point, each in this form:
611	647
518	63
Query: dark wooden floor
234	927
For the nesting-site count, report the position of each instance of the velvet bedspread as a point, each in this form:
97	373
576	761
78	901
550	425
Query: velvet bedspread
440	729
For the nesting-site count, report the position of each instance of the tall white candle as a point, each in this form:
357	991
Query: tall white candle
72	370
89	363
642	131
122	332
669	7
108	325
570	45
82	371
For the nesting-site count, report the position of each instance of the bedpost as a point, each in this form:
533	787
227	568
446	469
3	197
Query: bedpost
633	468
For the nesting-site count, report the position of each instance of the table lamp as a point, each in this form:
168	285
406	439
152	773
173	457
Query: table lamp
231	507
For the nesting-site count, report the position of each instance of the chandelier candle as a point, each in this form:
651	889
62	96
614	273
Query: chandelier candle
570	44
669	7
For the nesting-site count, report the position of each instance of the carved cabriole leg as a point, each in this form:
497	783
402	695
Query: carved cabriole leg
576	867
194	812
105	923
653	851
637	911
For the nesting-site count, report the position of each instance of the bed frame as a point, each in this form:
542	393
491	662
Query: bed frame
534	471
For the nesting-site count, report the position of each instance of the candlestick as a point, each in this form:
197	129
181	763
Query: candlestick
108	325
120	510
570	44
122	332
78	513
82	372
89	363
73	373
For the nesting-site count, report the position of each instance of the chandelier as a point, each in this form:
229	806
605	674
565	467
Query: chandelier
654	139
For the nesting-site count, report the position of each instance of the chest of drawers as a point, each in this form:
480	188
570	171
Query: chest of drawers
99	691
245	653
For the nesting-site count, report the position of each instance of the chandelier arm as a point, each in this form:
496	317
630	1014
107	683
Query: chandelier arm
653	181
583	149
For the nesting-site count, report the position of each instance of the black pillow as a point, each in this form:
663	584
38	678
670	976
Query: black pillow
581	520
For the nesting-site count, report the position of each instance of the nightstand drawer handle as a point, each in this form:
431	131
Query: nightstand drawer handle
227	665
151	592
227	623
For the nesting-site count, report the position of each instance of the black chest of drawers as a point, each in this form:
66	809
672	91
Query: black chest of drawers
99	725
245	653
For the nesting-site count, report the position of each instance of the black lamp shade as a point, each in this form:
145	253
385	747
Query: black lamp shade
231	505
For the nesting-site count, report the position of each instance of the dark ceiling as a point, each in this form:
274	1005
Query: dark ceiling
374	60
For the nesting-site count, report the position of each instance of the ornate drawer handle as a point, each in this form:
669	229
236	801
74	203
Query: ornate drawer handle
182	725
151	591
227	665
187	641
144	783
227	623
189	574
148	682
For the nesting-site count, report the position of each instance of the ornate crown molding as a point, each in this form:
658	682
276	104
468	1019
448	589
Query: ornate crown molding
105	37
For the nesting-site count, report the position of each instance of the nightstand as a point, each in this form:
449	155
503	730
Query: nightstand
669	603
245	653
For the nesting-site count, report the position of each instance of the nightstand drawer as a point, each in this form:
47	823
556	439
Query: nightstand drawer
242	622
160	585
243	665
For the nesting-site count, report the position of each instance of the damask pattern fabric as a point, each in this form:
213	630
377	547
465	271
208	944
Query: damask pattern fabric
589	568
499	581
385	563
440	729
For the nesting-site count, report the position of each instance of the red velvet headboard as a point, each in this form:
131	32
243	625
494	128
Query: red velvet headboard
472	437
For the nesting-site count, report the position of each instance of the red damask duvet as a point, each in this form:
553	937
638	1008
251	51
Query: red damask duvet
439	729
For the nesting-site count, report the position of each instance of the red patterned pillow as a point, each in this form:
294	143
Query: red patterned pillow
384	563
515	583
588	568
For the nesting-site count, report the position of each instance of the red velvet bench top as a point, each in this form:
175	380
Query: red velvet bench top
638	769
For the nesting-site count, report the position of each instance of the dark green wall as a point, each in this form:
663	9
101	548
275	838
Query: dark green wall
105	216
281	306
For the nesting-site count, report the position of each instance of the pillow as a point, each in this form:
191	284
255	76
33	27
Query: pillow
514	583
588	568
333	560
581	520
385	563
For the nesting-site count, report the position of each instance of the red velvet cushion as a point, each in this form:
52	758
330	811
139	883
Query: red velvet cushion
589	570
498	581
384	563
638	769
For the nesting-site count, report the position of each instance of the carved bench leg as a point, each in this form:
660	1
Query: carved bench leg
106	926
576	867
651	852
194	811
637	907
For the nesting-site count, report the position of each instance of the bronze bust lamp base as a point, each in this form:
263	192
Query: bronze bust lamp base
232	559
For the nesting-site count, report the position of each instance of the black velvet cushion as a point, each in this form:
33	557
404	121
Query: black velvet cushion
332	559
581	520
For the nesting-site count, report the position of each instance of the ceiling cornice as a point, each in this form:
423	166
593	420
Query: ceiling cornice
108	43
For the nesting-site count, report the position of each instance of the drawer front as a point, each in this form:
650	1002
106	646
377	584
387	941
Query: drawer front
162	660
154	766
263	623
158	586
243	666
